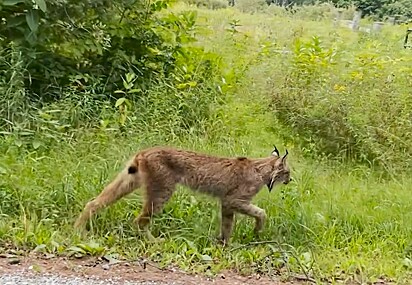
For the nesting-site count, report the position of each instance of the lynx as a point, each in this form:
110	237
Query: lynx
235	181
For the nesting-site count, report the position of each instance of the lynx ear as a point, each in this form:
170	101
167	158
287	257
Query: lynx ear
284	157
275	152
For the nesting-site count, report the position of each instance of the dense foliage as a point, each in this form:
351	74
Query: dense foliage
100	38
362	112
379	8
66	64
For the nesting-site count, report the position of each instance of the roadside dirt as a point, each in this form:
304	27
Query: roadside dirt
130	271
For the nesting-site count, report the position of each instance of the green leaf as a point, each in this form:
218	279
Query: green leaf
25	133
130	77
120	101
42	5
40	247
30	37
45	116
3	170
181	86
32	19
407	262
135	90
206	258
36	144
76	249
12	2
15	21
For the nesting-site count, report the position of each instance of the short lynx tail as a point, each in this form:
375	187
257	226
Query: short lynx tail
124	183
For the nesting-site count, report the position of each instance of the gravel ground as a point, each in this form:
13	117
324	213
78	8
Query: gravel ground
52	279
42	270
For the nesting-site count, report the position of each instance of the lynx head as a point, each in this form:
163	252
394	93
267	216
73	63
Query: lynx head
280	171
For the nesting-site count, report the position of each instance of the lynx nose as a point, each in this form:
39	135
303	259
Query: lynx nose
287	181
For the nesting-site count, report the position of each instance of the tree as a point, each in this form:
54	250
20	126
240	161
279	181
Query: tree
61	40
401	7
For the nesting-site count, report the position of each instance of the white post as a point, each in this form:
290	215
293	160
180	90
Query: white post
356	19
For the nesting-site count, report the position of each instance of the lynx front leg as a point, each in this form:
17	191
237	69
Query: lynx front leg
157	197
228	217
143	220
253	211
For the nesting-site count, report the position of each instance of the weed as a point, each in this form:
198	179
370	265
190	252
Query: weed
235	91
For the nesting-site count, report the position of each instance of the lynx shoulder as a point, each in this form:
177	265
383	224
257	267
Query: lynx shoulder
233	180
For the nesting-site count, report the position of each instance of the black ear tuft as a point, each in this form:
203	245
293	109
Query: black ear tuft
275	151
132	169
286	154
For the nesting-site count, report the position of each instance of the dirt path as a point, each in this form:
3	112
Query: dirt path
124	272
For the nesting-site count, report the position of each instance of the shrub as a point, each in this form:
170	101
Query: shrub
80	64
361	112
210	4
251	6
402	7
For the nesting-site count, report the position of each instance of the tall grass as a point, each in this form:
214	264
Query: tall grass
340	94
13	105
297	87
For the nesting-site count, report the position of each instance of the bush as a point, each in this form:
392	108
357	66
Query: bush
315	12
402	7
251	6
60	40
63	68
210	4
361	112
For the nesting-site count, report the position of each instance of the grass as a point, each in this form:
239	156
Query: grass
347	222
336	220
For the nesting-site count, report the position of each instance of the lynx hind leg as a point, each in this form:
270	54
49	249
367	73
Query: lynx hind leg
122	185
156	197
227	224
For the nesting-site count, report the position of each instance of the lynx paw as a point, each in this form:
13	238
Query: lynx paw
223	242
150	238
156	240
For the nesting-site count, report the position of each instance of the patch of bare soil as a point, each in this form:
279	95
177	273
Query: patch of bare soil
130	271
